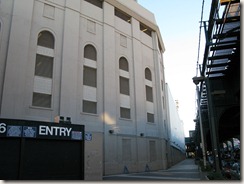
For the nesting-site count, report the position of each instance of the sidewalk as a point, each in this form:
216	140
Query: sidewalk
185	165
189	166
185	170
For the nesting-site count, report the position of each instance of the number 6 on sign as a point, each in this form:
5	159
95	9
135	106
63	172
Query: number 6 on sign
2	128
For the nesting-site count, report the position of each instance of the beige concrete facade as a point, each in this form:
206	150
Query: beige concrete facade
118	144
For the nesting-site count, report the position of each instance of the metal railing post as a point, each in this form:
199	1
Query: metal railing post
201	128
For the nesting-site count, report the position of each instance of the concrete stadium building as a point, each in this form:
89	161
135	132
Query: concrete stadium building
99	63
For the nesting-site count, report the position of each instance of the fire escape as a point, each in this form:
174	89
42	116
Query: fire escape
219	80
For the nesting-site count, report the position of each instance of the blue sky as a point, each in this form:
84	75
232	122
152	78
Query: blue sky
179	23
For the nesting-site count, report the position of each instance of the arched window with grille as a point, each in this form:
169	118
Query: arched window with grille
149	95
46	39
124	85
89	102
123	64
43	76
89	69
90	52
149	89
148	74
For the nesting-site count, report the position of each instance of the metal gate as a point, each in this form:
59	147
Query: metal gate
33	150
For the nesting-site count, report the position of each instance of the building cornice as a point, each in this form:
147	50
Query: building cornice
150	23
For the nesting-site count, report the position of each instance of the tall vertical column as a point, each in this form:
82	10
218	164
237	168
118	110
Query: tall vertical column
158	89
110	85
138	72
139	98
159	94
17	60
70	60
109	63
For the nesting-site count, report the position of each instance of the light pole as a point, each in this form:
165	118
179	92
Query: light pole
212	125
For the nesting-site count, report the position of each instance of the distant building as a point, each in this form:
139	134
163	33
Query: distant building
176	129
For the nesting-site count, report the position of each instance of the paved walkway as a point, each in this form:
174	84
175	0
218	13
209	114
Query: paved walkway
186	170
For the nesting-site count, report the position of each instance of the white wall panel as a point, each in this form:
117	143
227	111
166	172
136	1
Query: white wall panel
124	101
45	51
150	108
90	93
42	85
90	63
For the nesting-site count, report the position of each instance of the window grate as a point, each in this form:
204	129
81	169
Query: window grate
150	117
98	3
41	100
44	66
124	86
90	77
89	107
125	113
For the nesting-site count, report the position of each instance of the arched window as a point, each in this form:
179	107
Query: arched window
90	52
46	39
90	73
43	77
124	85
148	74
124	80
90	80
123	64
149	95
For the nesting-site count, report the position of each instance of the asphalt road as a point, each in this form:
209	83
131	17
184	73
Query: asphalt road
186	170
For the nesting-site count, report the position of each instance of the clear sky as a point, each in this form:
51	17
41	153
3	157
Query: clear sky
179	23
